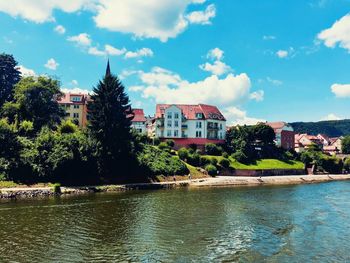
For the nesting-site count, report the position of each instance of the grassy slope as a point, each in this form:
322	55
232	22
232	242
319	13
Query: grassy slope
263	164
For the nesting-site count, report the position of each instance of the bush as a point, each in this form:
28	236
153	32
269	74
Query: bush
158	162
164	146
26	128
240	157
211	169
67	126
224	163
57	188
214	161
156	141
192	148
194	159
183	153
347	164
225	155
204	160
332	165
170	143
212	149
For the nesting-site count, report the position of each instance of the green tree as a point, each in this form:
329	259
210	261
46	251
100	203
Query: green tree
36	100
345	144
9	76
110	118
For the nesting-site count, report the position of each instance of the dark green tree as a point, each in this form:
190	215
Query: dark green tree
36	101
345	144
9	76
110	118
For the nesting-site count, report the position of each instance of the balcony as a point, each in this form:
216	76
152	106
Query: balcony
212	126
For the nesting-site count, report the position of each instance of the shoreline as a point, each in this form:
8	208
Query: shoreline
219	181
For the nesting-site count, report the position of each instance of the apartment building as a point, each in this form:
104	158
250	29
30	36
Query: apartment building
75	105
139	121
284	134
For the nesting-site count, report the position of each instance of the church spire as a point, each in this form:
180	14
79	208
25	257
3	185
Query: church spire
108	69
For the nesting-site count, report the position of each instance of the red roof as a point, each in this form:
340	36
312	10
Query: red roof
276	125
139	115
67	98
189	111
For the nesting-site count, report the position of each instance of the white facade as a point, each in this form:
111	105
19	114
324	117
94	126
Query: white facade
139	126
174	125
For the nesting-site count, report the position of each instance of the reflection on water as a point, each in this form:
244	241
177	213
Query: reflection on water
274	224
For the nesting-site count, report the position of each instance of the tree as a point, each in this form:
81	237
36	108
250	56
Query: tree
110	118
36	100
9	76
345	144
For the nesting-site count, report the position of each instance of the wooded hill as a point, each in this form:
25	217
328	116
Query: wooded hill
330	128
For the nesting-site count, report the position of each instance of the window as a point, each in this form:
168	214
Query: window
176	115
75	106
199	115
75	115
169	133
76	98
220	126
198	134
170	115
176	123
169	124
198	125
176	133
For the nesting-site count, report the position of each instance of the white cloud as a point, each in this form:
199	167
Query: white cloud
331	117
149	19
26	72
215	54
40	11
167	87
76	90
274	82
282	53
143	52
338	33
235	116
51	64
341	90
96	52
217	68
82	39
114	51
257	95
269	37
136	88
60	29
74	82
202	17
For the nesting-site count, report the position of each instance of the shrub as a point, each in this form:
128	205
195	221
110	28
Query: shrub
158	162
26	128
164	146
214	161
204	160
347	164
331	164
225	155
67	126
194	159
170	143
211	169
192	148
183	153
156	141
57	188
240	157
212	149
224	163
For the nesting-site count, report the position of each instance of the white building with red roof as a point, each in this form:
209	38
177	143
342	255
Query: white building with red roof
190	124
139	121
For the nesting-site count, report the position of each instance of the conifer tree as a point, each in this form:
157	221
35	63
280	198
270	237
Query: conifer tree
110	118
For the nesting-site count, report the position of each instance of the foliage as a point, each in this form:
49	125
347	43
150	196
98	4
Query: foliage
183	154
225	155
347	164
212	149
331	128
26	128
211	169
170	143
194	159
345	144
9	76
110	118
67	126
224	163
204	160
159	162
156	141
214	161
331	165
164	146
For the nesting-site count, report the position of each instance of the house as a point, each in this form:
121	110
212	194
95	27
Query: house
75	105
284	134
189	124
303	141
334	147
139	121
324	139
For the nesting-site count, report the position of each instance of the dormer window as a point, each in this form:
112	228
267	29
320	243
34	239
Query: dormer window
75	98
199	115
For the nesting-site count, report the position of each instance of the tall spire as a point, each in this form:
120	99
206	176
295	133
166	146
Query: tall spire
108	69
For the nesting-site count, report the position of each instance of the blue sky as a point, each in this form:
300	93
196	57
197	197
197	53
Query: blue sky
256	60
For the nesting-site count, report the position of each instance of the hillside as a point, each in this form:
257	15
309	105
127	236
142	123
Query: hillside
331	128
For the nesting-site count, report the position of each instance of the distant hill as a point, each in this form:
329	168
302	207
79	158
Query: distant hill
330	128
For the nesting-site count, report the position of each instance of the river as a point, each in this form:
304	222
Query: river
303	223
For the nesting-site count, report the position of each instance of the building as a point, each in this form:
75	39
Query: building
75	105
139	121
189	124
284	134
303	141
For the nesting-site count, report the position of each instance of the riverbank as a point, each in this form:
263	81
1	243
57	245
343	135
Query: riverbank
220	181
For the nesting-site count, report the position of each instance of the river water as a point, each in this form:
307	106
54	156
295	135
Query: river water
304	223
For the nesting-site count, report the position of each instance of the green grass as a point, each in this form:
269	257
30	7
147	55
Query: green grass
8	184
263	164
